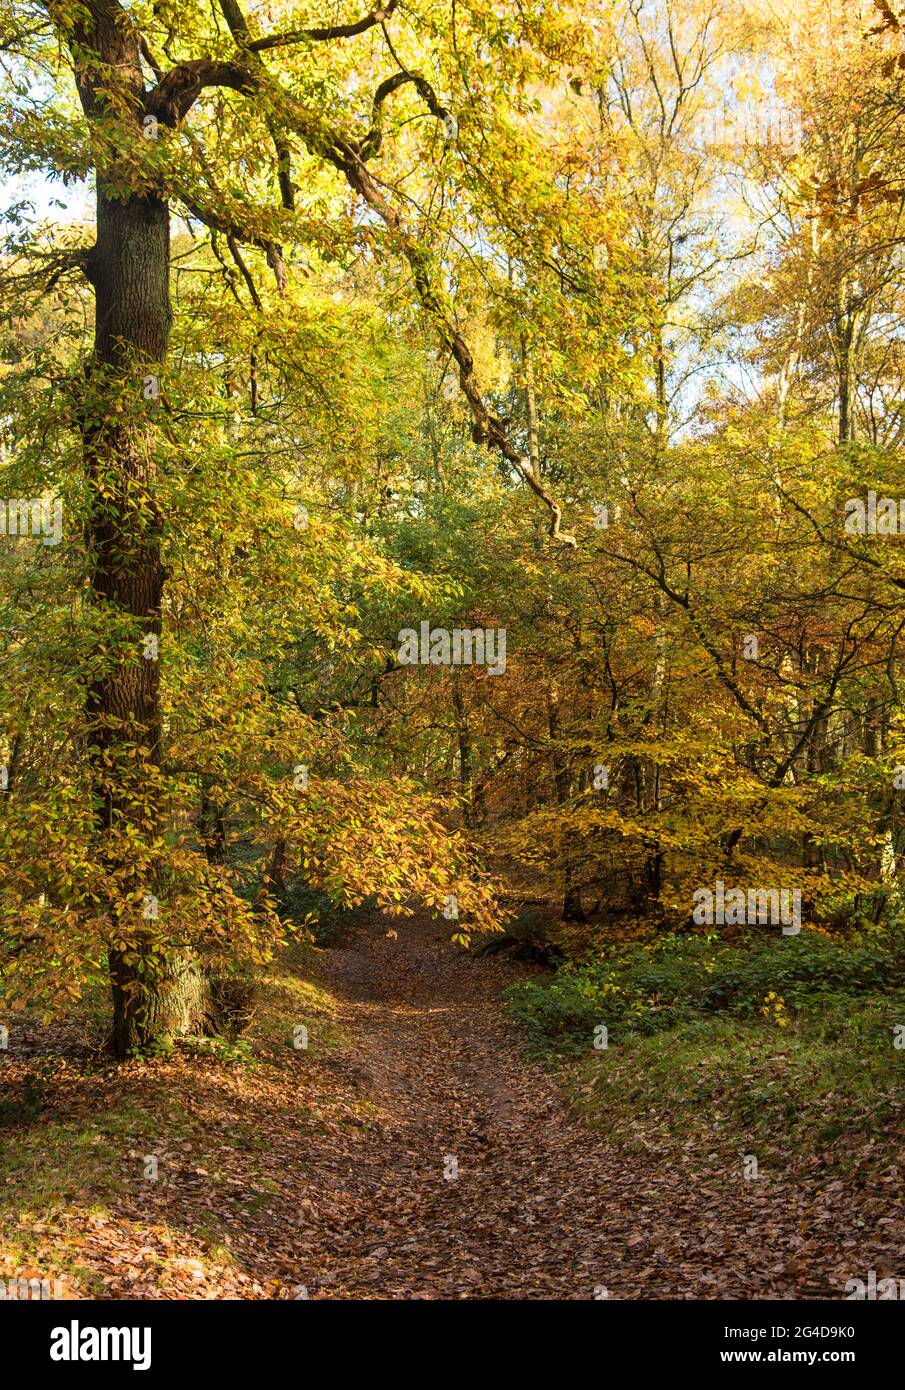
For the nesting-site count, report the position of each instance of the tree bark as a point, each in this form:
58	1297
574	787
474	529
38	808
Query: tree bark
129	270
572	909
466	774
174	1003
130	275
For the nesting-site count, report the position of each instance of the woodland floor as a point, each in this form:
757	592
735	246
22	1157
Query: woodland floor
320	1173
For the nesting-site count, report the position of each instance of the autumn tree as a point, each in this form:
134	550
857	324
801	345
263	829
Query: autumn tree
225	121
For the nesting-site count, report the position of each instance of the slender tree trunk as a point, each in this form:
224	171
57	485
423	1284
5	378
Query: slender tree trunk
276	869
533	432
572	909
845	339
212	829
466	774
531	410
660	390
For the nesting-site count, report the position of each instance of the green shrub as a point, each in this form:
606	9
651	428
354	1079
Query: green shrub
564	1012
645	989
825	1087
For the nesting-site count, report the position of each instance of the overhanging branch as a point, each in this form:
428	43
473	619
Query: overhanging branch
173	97
325	33
176	92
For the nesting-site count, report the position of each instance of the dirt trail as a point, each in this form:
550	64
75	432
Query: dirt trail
523	1214
541	1207
420	1156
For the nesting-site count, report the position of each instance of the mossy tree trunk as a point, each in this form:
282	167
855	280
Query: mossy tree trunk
153	1012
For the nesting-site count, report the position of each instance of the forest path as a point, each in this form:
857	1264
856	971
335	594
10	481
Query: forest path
326	1172
541	1207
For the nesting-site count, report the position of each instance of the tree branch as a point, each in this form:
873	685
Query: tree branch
235	234
321	35
370	145
173	97
179	89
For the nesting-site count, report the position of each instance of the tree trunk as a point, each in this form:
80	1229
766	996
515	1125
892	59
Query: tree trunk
130	275
845	338
466	775
152	1011
572	909
129	270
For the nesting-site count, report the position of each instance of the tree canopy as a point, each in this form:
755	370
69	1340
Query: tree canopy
576	330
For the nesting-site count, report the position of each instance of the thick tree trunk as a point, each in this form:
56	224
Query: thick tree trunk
572	909
130	275
152	1013
129	269
152	1000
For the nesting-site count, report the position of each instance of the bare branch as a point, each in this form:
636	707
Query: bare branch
370	145
54	265
321	35
234	235
243	270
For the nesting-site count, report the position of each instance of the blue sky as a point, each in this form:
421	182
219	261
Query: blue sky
46	195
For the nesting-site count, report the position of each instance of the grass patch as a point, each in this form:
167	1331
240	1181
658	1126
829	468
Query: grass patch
785	1049
288	1000
826	1086
55	1175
